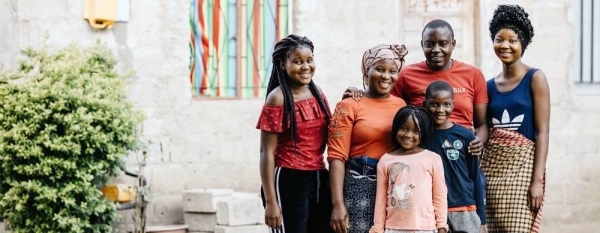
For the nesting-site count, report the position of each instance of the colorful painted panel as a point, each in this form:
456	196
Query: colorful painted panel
231	44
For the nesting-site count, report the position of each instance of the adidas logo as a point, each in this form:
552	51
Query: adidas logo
513	124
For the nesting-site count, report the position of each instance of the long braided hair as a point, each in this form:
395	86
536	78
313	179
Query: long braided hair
418	115
279	78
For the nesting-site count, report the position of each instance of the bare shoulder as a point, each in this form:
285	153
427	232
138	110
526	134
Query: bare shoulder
539	81
275	97
539	75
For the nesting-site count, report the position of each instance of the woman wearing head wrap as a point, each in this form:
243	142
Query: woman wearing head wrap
514	160
359	136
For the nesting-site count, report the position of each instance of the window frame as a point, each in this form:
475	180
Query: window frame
245	52
586	62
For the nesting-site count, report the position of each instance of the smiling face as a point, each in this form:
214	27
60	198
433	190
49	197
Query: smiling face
440	104
408	136
381	78
507	46
437	44
300	66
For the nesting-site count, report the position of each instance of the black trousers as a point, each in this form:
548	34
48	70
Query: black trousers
305	200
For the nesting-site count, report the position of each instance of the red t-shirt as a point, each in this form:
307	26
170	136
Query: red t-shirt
467	82
311	134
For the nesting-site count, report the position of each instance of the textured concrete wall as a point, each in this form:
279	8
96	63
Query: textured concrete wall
194	143
213	144
341	33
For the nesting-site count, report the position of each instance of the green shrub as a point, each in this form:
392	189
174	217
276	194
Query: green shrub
65	125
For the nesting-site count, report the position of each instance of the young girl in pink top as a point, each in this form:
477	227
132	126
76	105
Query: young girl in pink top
411	190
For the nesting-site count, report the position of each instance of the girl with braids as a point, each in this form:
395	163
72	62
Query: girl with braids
358	137
293	124
411	188
519	113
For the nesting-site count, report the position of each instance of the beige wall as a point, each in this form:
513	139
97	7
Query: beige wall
213	144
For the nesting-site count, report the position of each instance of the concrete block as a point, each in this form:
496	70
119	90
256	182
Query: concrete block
241	209
245	229
244	179
204	200
200	221
118	227
166	229
165	209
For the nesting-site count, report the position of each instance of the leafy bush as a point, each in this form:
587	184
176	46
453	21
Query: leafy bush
65	124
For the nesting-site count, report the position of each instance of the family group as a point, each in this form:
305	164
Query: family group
426	147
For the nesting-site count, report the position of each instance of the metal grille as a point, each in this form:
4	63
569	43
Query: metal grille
589	44
231	44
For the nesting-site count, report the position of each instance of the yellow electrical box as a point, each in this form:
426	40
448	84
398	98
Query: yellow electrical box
120	193
101	14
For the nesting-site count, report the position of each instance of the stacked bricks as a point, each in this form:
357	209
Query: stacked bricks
223	211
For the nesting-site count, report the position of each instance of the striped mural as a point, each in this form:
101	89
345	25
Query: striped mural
231	44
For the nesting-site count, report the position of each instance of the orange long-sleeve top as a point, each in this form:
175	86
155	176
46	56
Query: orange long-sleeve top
411	193
362	128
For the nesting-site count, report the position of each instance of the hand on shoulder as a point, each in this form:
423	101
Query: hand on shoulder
353	92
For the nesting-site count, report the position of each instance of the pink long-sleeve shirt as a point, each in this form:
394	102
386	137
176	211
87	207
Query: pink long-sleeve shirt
411	193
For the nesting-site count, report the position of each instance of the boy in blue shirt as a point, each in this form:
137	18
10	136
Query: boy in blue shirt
466	209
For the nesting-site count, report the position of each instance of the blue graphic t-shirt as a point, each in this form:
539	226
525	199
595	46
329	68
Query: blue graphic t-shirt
461	170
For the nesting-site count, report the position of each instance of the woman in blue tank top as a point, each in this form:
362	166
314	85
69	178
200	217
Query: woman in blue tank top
514	161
